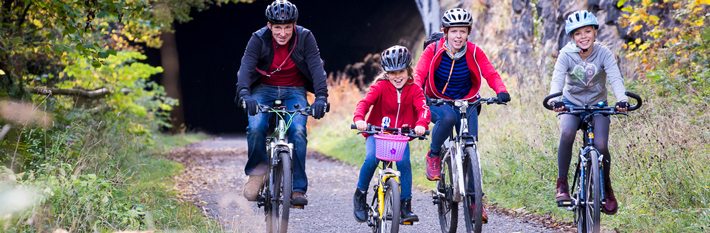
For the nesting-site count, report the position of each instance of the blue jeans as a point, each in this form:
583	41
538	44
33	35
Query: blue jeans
445	118
259	124
371	162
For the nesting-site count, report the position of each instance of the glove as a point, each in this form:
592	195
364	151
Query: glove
622	105
318	107
428	100
247	102
557	104
504	97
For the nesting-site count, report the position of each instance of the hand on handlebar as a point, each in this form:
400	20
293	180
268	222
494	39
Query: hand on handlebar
361	125
558	106
622	106
503	97
419	130
248	103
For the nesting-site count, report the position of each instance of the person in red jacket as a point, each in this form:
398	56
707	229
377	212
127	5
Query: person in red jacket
391	95
453	68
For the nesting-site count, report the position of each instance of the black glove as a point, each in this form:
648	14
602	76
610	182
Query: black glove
428	100
504	97
622	104
318	107
247	102
557	104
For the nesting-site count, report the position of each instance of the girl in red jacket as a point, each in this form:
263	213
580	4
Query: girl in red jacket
453	68
391	95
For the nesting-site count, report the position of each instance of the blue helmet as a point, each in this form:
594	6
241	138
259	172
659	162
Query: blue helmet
580	19
395	58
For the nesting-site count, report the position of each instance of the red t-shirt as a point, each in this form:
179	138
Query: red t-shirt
289	75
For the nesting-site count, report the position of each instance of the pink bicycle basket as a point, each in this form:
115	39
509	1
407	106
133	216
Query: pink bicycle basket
390	147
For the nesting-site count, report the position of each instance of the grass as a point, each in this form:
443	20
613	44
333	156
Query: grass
153	183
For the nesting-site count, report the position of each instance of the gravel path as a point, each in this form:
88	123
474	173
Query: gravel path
214	177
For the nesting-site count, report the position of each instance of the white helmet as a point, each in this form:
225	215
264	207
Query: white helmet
457	17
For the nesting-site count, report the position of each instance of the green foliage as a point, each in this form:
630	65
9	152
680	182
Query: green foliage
675	58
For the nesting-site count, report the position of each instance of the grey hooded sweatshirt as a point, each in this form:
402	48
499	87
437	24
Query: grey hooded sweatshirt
586	80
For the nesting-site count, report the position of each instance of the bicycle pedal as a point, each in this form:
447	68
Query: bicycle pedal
565	203
407	223
298	207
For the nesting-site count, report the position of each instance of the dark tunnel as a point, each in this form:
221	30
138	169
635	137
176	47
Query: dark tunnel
211	46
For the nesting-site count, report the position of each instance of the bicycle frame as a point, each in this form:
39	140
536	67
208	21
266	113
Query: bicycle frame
385	174
458	143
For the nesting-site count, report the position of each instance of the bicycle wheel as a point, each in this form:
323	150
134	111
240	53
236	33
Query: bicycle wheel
448	209
473	170
592	194
281	201
391	210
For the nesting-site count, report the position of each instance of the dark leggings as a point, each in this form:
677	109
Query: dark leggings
569	125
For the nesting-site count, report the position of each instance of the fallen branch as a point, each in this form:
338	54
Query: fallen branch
101	92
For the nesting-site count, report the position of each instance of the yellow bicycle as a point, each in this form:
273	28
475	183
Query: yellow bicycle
384	211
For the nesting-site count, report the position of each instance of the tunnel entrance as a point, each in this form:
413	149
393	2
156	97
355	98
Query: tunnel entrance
212	44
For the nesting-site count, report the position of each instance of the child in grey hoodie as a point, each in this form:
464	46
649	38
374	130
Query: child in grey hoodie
581	72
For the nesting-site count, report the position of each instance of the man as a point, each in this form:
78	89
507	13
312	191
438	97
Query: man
281	61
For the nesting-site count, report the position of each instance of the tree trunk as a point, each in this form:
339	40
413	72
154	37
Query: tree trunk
171	79
431	15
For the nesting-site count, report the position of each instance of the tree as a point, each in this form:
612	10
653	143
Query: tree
431	15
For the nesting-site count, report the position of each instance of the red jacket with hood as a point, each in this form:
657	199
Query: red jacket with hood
478	65
405	107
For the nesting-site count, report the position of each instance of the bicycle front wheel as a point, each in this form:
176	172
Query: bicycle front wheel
473	202
446	207
391	212
592	195
281	198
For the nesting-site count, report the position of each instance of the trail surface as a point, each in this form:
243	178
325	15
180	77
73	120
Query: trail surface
214	177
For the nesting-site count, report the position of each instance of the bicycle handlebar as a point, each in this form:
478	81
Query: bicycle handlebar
586	109
479	101
406	131
303	111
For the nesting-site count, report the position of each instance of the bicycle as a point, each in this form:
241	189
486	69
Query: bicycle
457	170
275	192
384	212
587	200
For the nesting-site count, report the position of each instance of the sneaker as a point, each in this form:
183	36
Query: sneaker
251	188
610	206
562	190
484	215
433	167
299	198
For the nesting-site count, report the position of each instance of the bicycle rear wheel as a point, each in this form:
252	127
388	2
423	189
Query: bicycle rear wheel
391	213
281	195
448	209
473	171
592	194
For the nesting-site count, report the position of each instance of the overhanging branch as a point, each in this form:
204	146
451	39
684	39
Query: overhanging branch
3	132
98	93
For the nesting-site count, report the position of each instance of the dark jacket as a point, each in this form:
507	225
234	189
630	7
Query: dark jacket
260	53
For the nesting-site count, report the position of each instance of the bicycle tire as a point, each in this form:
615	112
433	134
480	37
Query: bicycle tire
473	170
271	205
593	194
391	208
447	209
286	189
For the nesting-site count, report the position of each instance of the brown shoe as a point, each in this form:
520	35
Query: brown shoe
610	205
251	188
562	190
299	198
